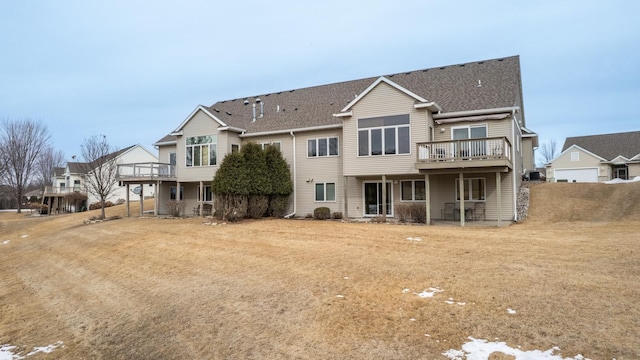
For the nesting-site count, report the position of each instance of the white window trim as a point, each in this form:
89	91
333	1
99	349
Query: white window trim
364	211
468	127
368	130
328	147
484	181
413	190
265	144
209	145
324	189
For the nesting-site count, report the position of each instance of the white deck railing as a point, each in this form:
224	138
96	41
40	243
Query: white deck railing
146	171
471	149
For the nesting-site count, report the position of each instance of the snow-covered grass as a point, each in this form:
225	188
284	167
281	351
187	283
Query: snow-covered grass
479	349
7	351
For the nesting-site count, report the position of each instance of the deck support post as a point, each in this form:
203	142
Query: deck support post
461	195
127	199
427	198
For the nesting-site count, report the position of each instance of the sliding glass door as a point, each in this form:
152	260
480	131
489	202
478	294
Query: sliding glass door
373	198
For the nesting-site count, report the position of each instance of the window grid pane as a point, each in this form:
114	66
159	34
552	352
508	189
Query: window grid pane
320	192
322	147
333	146
331	192
311	148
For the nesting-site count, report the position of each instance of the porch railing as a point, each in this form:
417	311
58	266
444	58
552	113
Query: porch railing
146	171
54	190
469	149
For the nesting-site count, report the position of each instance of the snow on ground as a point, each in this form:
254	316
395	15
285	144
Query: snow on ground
411	238
6	351
511	311
479	349
620	181
5	242
451	302
429	294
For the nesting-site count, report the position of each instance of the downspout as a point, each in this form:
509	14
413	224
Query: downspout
294	178
513	173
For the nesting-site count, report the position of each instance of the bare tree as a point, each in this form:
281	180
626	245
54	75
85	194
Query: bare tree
548	151
47	162
21	142
100	167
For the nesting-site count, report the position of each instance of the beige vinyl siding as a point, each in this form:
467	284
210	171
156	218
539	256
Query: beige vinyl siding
313	170
383	100
199	125
163	152
495	128
528	154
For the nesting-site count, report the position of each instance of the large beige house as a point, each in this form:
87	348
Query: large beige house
597	158
451	135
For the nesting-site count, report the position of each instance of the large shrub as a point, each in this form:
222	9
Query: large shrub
253	182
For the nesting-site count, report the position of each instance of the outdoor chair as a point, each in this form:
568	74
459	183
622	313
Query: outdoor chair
478	211
206	209
449	211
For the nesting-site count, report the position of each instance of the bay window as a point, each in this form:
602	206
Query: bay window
201	150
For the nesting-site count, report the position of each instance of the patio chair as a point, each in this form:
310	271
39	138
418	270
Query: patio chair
206	209
449	211
478	211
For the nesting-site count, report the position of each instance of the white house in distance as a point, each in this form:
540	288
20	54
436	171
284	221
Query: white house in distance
72	180
452	138
597	158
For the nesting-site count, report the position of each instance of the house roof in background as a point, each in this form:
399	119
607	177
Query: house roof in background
488	84
608	146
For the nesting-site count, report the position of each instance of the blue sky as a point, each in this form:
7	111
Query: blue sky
134	70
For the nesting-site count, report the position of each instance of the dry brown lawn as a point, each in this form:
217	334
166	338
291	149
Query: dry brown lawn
147	288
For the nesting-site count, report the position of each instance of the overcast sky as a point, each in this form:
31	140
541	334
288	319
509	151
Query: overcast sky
134	70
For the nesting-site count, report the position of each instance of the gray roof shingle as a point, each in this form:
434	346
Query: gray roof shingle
455	88
608	146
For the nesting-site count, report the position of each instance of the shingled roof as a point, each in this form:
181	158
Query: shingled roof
488	84
608	146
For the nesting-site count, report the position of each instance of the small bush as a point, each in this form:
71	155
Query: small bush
337	215
175	207
308	216
418	213
322	213
120	201
378	220
403	212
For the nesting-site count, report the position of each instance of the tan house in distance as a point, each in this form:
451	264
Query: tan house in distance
597	158
448	137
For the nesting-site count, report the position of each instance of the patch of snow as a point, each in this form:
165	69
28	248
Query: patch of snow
406	291
620	181
5	242
340	296
45	349
429	294
410	238
451	302
347	278
25	236
479	349
6	351
511	311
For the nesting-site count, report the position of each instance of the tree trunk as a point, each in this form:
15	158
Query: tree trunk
102	210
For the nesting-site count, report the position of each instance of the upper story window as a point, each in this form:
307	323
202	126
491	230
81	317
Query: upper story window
277	144
322	147
386	135
201	150
469	132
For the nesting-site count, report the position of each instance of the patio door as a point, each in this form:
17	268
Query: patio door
373	199
471	148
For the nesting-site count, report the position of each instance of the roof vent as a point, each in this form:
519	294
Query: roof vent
228	113
216	109
479	83
246	102
291	90
258	100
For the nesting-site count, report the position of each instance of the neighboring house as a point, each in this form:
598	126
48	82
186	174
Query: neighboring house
597	158
72	180
362	147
